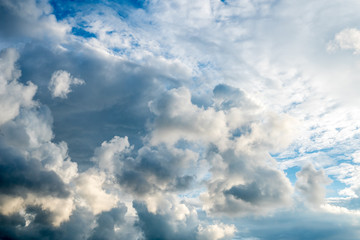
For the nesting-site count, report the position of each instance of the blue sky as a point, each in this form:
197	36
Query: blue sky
179	119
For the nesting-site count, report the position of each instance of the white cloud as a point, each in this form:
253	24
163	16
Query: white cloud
348	174
109	152
311	184
60	83
13	95
216	232
347	39
356	157
89	186
178	118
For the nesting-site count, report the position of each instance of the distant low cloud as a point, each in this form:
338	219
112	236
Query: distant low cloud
61	82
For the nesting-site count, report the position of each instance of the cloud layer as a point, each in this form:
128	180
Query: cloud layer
183	120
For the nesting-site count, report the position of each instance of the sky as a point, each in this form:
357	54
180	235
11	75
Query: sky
201	119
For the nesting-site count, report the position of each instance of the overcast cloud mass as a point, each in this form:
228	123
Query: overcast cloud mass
204	120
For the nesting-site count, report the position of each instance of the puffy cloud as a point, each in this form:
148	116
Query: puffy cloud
157	225
311	184
347	39
108	222
349	175
240	185
89	186
157	169
216	231
13	94
30	18
239	142
35	171
108	154
60	83
177	118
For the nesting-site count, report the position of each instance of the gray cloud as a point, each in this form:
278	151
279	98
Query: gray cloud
107	222
157	226
311	184
20	176
29	19
157	169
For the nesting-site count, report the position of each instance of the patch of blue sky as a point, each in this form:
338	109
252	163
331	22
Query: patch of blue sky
292	106
69	8
132	3
333	189
121	51
291	173
224	1
238	132
63	9
78	31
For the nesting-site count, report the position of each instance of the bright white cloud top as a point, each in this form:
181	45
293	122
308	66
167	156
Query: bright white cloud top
60	83
206	119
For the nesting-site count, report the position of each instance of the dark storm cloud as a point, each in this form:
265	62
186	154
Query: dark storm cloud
106	223
247	193
13	226
19	176
94	118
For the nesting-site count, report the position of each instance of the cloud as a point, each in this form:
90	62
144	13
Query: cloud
60	83
311	184
13	94
347	39
35	171
216	231
30	18
193	123
107	222
109	152
90	188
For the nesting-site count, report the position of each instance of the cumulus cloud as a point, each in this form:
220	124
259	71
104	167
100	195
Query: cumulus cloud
311	184
13	94
347	39
60	83
37	169
240	164
216	231
30	18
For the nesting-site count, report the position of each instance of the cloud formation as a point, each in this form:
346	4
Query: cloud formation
198	120
347	39
60	83
311	183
